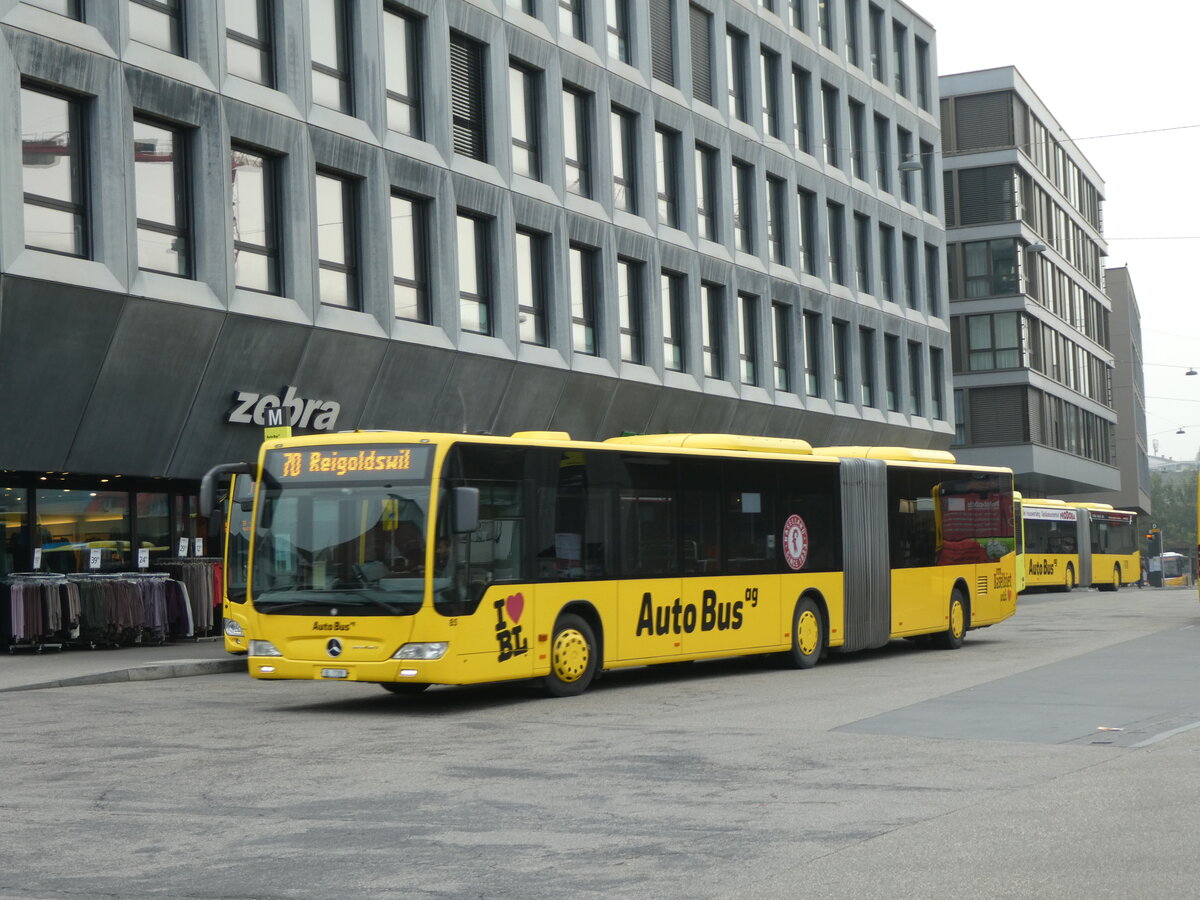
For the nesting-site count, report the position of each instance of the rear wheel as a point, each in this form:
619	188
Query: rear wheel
573	658
404	688
956	631
808	634
1116	581
1070	581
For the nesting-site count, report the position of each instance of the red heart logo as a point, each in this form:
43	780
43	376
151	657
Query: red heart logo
515	605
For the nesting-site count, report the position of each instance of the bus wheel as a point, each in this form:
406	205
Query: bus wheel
1070	585
952	637
808	634
404	688
573	659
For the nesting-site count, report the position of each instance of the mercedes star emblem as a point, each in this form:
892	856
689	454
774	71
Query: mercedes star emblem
334	647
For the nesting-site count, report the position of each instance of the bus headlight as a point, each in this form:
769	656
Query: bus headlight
263	648
234	629
433	650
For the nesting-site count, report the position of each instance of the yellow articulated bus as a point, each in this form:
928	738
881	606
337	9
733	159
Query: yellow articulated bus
1070	545
411	559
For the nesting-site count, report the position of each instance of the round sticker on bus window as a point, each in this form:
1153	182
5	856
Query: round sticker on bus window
795	542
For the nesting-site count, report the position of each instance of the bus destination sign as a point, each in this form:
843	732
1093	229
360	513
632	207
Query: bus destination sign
350	462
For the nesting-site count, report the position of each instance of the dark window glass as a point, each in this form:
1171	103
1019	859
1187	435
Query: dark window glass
474	274
706	192
712	298
781	341
466	97
666	153
748	338
52	170
801	89
662	40
631	308
812	354
671	287
702	53
624	160
531	285
584	287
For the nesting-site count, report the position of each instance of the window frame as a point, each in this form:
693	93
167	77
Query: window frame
79	205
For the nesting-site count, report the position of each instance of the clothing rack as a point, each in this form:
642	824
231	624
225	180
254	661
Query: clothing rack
203	579
40	611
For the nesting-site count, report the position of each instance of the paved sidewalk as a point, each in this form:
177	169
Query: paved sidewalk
22	670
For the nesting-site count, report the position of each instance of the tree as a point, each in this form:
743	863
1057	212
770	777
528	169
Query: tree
1173	499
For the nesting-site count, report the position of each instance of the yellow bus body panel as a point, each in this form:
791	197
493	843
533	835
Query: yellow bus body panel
1104	566
1050	570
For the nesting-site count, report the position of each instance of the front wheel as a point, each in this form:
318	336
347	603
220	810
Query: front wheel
573	659
808	634
956	630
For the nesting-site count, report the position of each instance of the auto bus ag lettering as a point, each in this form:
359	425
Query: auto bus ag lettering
1042	566
680	618
510	639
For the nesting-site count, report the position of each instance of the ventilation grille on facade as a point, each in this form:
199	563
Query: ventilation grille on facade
981	585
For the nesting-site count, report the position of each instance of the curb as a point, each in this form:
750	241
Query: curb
149	672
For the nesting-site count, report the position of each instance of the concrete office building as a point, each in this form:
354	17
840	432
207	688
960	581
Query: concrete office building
1030	322
458	215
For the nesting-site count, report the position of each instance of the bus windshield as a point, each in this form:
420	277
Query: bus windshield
343	526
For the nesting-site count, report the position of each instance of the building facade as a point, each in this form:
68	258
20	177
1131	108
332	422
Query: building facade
460	215
1030	321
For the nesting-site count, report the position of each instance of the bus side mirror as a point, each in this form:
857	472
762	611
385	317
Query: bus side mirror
243	492
465	509
208	484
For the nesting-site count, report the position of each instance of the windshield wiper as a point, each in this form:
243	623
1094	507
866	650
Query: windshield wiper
359	592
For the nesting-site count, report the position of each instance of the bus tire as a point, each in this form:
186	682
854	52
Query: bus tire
956	632
573	658
1070	582
808	634
404	688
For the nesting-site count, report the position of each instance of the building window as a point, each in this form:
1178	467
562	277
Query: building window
748	338
891	371
466	97
667	162
255	222
801	96
735	65
990	267
829	105
862	253
798	19
68	8
410	282
853	48
926	176
812	354
994	342
671	295
743	206
825	22
866	365
922	74
837	242
841	361
531	285
883	154
330	32
904	145
776	227
806	214
900	58
624	160
524	102
916	366
577	141
858	139
337	248
781	341
877	51
571	20
618	31
160	168
706	192
662	40
248	45
157	23
52	170
960	420
631	309
701	22
887	262
936	385
474	273
712	301
584	286
909	250
529	7
769	64
403	50
933	268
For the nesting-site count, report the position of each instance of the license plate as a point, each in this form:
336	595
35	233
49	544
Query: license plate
335	673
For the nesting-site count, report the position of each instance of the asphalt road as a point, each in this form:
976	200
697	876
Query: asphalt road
1055	755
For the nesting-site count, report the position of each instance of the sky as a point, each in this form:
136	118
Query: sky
1123	80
